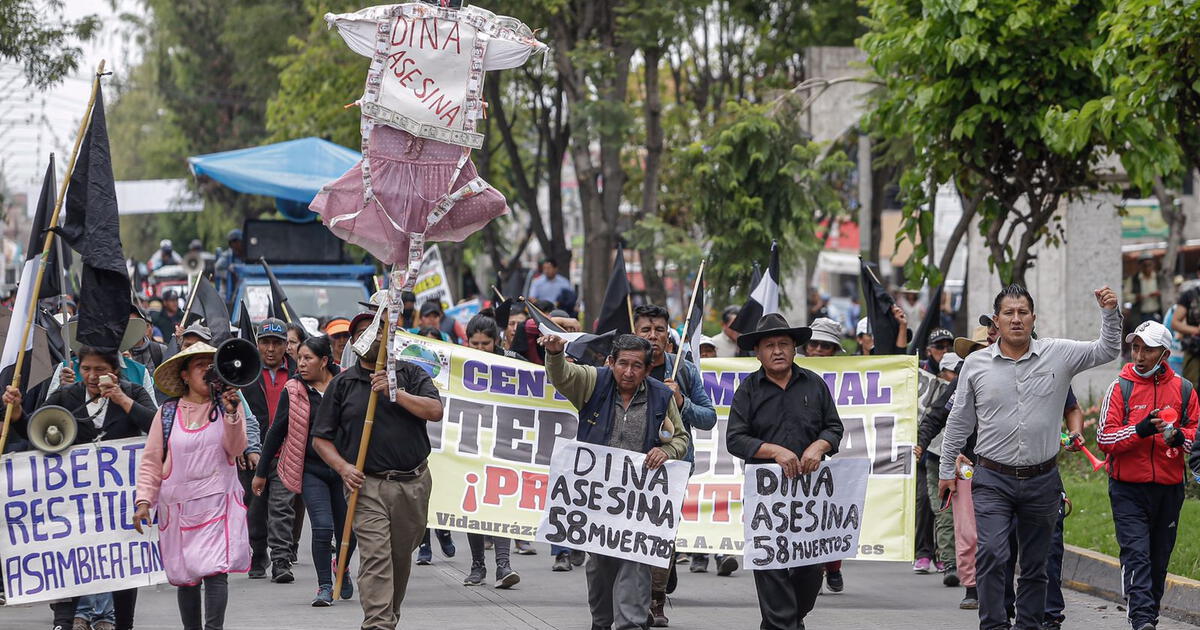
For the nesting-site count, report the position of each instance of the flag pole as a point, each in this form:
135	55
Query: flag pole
691	303
629	307
41	272
191	296
361	460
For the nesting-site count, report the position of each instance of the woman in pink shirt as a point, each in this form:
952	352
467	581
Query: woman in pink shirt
189	476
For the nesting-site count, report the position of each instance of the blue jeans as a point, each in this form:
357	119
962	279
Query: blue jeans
326	506
98	607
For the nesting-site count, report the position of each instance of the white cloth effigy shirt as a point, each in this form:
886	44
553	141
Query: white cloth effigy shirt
423	99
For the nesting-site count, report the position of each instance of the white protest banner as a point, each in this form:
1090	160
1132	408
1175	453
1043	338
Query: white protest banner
604	500
809	519
431	280
68	526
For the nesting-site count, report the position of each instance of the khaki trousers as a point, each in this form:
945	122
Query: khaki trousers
389	522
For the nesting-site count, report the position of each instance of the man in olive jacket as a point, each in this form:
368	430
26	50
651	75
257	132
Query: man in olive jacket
620	406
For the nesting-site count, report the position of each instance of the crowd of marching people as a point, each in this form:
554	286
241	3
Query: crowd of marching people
260	462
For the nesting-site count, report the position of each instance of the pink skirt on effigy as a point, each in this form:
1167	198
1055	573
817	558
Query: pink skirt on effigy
409	175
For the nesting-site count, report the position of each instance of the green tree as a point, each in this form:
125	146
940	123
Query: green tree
1149	114
970	84
757	178
35	35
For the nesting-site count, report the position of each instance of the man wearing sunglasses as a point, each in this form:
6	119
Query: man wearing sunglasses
940	341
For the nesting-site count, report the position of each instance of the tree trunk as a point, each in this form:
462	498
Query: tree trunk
656	292
1176	220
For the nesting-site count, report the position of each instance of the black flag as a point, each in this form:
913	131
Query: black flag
877	305
614	311
279	307
585	348
92	228
245	325
764	297
209	306
933	315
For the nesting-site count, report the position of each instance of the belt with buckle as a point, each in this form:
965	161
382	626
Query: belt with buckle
1020	472
400	475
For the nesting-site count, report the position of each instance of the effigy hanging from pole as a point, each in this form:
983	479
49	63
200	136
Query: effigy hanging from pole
423	100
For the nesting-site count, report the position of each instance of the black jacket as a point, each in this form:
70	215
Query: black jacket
117	423
935	420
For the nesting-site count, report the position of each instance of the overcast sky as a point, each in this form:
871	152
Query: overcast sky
34	123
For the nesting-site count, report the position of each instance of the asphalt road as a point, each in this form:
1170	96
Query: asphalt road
877	595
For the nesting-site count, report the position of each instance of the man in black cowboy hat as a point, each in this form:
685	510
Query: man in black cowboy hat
783	414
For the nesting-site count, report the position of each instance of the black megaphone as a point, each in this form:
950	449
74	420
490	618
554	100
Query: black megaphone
237	363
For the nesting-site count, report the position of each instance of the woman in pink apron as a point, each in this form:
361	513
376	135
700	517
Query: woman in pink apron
188	475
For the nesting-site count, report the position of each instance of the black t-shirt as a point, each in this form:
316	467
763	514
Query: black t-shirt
399	440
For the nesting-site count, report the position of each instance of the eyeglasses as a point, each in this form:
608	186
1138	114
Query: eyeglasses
941	345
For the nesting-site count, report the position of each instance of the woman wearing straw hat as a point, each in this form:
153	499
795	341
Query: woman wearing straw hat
188	474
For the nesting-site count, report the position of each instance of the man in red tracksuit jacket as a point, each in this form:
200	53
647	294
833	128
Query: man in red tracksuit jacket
1149	415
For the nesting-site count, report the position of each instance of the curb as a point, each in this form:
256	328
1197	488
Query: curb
1097	574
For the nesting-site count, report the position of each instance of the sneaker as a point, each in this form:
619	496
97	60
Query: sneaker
699	563
562	562
324	597
1147	626
578	557
525	548
446	542
939	566
281	573
658	617
833	579
951	577
104	625
682	558
80	624
347	587
257	573
970	601
726	565
424	555
477	574
1054	625
506	577
922	566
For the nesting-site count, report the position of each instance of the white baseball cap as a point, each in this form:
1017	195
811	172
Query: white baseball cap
950	361
705	340
1152	333
862	328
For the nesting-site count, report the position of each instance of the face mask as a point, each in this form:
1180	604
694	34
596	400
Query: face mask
1151	372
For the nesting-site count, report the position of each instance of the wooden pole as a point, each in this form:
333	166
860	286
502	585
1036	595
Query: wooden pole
629	307
191	296
37	284
691	303
361	460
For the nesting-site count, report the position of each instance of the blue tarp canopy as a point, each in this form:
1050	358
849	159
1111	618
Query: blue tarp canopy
292	172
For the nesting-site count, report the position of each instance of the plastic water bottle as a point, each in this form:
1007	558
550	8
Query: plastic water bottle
966	471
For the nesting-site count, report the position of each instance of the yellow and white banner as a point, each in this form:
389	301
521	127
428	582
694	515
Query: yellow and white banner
492	450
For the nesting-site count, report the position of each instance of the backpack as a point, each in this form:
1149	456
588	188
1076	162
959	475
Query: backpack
1185	391
168	421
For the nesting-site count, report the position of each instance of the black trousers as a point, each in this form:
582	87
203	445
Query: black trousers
1146	516
1031	507
124	604
786	596
925	543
